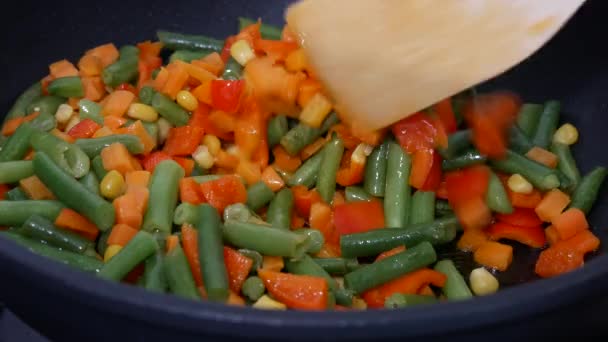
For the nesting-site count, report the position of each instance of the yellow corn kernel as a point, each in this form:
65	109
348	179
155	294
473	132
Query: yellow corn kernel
242	52
213	144
163	129
111	251
517	183
143	112
296	61
359	304
203	157
112	185
566	134
361	152
187	100
483	282
64	113
268	303
75	120
103	132
315	111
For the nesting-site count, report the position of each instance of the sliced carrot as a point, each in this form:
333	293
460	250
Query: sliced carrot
190	244
70	219
190	191
116	157
137	178
121	234
139	131
238	267
272	179
176	80
117	103
203	93
296	291
570	222
161	79
90	65
107	54
35	189
552	235
284	161
212	63
552	205
542	156
93	87
494	255
172	242
63	68
128	210
390	252
523	217
471	239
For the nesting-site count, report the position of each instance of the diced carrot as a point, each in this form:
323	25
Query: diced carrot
542	156
275	49
137	178
139	131
84	129
296	291
222	121
520	200
61	135
329	251
238	267
226	160
390	252
172	242
566	255
197	72
116	157
203	92
551	235
186	163
583	242
190	243
35	189
304	199
114	122
73	102
288	35
11	125
338	198
63	68
142	195
410	283
183	141
552	205
284	161
296	61
272	179
149	49
176	80
212	63
523	217
494	255
70	219
474	213
235	300
190	191
117	103
471	239
224	191
161	79
313	148
128	210
107	54
570	222
90	65
121	234
308	88
273	263
249	171
93	87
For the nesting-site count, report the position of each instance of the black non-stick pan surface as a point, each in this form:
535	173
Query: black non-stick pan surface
64	304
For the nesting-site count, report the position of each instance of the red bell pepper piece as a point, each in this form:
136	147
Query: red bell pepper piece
3	190
226	95
296	291
358	217
419	132
276	49
183	141
466	193
190	191
238	267
524	217
127	87
304	199
84	129
433	179
531	236
410	283
445	113
186	163
224	191
225	55
150	161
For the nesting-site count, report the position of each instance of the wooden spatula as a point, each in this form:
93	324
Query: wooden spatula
382	60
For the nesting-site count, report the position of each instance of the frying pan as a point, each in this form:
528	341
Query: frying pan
65	304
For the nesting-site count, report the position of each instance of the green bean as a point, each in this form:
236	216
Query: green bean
185	213
16	194
232	70
337	266
458	142
539	175
211	253
138	249
442	208
155	73
177	41
253	288
587	190
15	213
78	261
188	55
97	166
307	266
496	196
265	240
163	196
308	172
455	287
423	207
258	195
315	240
256	257
93	146
68	157
469	158
390	268
14	171
303	135
344	297
88	109
280	209
326	180
146	94
547	124
70	86
397	192
267	31
40	228
402	300
170	110
22	102
102	242
45	105
72	193
90	182
178	274
277	128
206	178
527	118
44	122
356	193
154	276
375	170
18	144
440	231
566	163
124	70
238	212
518	141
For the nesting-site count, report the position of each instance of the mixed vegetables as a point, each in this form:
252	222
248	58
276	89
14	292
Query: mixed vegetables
221	172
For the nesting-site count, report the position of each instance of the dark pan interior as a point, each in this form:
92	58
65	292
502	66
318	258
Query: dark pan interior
572	68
